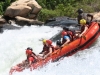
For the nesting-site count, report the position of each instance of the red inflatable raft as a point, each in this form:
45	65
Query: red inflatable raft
79	44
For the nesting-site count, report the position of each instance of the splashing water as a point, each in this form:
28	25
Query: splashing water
14	42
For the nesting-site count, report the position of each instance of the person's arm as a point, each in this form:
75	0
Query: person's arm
50	51
34	55
77	31
89	15
83	31
67	41
30	62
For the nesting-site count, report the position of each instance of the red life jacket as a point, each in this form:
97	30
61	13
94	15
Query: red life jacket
44	48
47	49
31	58
70	34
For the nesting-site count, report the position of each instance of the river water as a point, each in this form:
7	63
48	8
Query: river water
14	42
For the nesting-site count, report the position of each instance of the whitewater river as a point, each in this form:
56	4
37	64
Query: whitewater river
14	42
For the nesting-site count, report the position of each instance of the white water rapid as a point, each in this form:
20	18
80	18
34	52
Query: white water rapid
14	42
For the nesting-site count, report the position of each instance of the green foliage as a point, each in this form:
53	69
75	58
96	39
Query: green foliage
52	8
46	14
1	7
4	4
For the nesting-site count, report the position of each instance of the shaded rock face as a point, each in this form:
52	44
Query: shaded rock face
2	22
61	21
28	9
22	21
66	21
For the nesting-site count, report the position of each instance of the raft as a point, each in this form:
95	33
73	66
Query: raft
81	43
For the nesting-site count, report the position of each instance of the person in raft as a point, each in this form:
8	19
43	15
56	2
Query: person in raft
69	32
31	58
44	46
65	39
84	28
58	44
48	50
81	15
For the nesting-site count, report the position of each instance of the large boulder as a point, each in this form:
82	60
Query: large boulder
23	8
36	7
22	21
96	16
13	11
28	9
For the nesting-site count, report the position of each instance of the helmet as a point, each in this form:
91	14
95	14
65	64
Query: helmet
80	10
29	48
82	21
63	33
65	28
58	42
44	40
49	42
28	52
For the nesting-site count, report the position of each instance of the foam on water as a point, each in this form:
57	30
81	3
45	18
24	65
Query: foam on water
14	42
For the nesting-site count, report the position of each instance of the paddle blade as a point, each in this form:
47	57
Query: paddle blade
84	37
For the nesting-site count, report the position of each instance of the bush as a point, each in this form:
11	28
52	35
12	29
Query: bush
66	7
1	8
4	4
46	14
60	10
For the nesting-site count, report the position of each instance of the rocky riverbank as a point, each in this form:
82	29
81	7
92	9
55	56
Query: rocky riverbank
22	12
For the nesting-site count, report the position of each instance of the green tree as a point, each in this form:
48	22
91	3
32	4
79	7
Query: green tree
4	4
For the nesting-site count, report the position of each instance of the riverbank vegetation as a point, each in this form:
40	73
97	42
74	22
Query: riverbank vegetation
4	4
54	8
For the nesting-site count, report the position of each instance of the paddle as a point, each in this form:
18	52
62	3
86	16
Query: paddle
83	36
59	50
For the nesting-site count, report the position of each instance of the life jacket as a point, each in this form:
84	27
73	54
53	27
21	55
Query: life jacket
47	49
44	48
32	58
70	34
